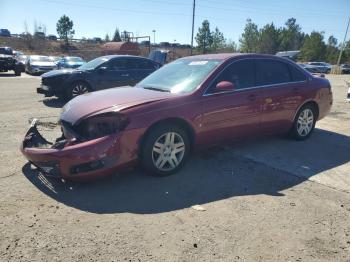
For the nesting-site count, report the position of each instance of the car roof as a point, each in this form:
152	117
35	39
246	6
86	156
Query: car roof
226	56
124	56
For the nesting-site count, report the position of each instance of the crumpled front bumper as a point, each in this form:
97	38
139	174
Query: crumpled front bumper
73	161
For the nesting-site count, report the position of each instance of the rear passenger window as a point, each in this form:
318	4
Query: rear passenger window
297	75
132	63
240	73
145	64
269	72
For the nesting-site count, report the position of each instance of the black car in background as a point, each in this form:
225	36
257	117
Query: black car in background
9	62
101	73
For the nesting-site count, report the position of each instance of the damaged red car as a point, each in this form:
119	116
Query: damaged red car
191	102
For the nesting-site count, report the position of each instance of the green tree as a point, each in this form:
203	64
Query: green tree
116	36
219	41
269	39
332	41
64	28
231	46
332	51
346	53
250	38
314	47
204	37
291	36
107	39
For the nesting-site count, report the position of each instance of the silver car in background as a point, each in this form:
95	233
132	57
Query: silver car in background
37	64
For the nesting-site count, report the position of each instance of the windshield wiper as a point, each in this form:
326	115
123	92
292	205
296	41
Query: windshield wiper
156	89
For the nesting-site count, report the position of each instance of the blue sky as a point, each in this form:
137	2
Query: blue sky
172	18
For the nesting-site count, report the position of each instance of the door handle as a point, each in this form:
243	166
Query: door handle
251	97
125	75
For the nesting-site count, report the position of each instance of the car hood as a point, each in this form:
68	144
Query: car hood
43	63
109	100
58	72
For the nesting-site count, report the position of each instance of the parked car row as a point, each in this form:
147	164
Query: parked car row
317	67
37	64
34	64
190	103
324	68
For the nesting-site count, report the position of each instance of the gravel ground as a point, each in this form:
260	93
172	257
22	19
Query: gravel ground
253	208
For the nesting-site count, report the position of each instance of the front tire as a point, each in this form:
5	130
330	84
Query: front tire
304	123
77	89
165	150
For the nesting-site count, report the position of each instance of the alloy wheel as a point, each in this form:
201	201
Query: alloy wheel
79	89
168	151
305	122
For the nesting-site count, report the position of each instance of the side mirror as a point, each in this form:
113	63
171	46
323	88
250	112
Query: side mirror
225	86
102	69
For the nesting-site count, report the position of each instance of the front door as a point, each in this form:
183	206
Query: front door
115	74
236	113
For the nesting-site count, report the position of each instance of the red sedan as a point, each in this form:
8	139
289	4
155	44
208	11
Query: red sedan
191	102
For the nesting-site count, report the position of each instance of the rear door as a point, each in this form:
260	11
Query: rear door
236	113
140	68
282	91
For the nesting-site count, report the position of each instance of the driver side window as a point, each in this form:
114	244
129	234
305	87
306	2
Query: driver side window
240	73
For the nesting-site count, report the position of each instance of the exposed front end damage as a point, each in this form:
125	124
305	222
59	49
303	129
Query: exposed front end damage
86	150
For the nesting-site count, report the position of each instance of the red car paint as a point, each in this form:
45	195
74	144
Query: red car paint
210	118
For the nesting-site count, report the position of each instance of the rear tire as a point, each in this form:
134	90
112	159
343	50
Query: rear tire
304	123
165	150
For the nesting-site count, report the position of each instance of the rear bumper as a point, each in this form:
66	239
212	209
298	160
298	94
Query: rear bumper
81	161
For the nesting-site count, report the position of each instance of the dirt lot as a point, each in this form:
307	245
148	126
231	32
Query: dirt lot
268	200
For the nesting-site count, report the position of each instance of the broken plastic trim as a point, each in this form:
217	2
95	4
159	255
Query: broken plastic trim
33	138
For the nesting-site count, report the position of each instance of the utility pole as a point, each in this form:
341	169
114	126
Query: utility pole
154	36
194	8
344	42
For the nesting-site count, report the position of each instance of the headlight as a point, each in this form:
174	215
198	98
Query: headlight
102	125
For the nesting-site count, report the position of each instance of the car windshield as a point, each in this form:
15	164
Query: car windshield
180	76
74	59
41	59
93	63
5	51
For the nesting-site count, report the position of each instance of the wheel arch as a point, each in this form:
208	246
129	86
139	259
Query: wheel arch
309	102
180	122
